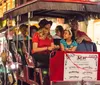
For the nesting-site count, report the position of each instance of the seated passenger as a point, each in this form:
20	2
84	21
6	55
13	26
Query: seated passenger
79	35
23	42
58	36
33	29
84	42
59	32
67	44
42	45
9	34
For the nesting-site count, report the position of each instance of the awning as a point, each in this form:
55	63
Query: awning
61	6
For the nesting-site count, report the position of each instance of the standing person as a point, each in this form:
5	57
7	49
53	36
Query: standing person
33	29
79	35
42	45
23	42
9	34
67	44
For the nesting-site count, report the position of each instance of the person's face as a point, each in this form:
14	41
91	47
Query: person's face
48	26
33	31
67	35
58	33
74	26
24	32
45	31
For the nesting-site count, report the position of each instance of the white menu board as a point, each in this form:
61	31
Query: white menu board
79	66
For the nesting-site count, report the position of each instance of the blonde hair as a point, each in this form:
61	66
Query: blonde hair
69	30
41	33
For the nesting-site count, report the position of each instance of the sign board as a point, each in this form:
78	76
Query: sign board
79	66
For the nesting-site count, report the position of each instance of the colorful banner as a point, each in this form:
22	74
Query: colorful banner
79	67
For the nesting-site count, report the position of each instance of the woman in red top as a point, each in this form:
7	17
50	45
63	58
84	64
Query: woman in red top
42	45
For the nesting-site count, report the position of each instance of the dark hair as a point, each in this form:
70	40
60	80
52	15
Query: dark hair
49	22
44	22
74	21
23	27
60	29
33	28
73	35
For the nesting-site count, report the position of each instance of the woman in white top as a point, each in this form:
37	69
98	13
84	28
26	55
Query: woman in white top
59	32
58	36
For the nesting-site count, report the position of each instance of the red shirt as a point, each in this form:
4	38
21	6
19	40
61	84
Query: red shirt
41	42
80	33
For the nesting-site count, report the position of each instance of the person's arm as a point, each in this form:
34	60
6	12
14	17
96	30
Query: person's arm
62	47
86	38
50	48
35	40
72	48
82	36
56	47
37	49
24	49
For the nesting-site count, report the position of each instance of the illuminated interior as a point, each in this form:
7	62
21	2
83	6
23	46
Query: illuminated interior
5	6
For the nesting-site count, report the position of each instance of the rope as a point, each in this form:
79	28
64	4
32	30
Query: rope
76	65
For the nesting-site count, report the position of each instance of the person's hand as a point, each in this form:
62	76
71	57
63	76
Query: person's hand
80	39
50	48
84	37
56	47
68	49
30	58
